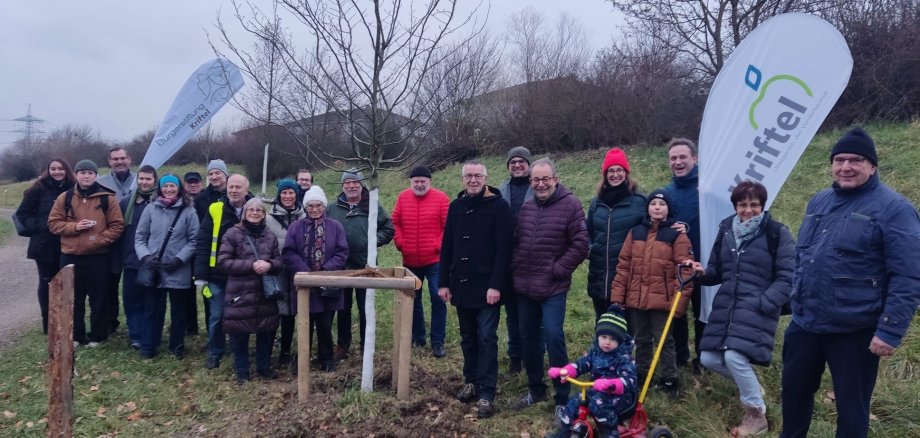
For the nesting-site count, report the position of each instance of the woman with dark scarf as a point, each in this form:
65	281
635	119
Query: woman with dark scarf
317	243
248	251
44	247
174	264
617	208
285	210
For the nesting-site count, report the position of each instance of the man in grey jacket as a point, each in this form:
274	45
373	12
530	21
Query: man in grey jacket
119	180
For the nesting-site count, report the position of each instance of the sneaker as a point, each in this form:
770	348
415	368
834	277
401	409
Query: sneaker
93	344
485	408
437	350
528	400
268	374
670	386
467	393
558	414
212	363
241	380
340	353
135	345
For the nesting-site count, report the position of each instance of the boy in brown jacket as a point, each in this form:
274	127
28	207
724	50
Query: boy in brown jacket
645	285
88	219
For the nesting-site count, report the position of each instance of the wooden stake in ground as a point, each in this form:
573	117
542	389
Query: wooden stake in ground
60	354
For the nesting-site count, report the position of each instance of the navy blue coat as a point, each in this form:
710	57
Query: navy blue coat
857	262
753	289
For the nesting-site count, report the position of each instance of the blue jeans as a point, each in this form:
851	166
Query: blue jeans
853	370
155	315
479	342
733	365
239	342
438	308
551	315
216	339
132	298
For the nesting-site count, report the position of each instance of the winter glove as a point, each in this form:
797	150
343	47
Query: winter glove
171	263
610	386
562	372
202	287
151	261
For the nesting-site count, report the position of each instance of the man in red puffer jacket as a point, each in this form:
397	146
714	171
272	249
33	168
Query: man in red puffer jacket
419	217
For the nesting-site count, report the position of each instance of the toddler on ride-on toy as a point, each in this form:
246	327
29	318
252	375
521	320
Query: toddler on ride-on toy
613	371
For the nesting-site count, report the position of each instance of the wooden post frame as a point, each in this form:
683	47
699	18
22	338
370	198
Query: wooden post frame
400	279
60	354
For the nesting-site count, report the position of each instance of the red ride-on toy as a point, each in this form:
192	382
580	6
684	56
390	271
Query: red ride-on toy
637	427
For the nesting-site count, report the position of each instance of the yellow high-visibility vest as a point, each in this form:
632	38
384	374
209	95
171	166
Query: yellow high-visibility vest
216	210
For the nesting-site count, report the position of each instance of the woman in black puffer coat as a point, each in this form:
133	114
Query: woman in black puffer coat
246	310
617	208
753	259
44	247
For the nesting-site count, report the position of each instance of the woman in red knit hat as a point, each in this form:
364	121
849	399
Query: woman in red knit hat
617	208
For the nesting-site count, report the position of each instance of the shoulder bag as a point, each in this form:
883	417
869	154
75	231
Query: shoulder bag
271	284
147	275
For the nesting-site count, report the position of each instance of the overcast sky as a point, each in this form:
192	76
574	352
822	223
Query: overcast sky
116	65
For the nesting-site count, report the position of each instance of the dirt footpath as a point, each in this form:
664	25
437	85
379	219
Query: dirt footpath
18	282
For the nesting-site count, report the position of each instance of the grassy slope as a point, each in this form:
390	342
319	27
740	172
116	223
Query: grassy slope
181	398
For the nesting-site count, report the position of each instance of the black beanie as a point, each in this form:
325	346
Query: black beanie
420	171
856	141
665	196
612	323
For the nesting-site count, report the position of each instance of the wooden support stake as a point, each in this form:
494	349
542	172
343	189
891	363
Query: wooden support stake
60	354
394	358
406	297
303	344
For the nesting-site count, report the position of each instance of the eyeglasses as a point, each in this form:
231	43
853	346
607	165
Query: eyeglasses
615	171
855	161
517	162
255	210
544	180
315	206
471	176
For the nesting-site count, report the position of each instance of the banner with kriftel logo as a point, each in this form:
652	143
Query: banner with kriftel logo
766	104
204	93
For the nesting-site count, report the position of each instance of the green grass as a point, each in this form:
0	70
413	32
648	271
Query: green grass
6	230
181	398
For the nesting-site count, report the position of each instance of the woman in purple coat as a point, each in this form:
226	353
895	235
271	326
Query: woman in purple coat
317	243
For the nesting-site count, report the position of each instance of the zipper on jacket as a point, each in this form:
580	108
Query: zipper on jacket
607	285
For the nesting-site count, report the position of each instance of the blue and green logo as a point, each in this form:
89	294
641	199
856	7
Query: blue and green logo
770	141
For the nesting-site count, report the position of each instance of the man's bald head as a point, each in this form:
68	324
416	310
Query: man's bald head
237	188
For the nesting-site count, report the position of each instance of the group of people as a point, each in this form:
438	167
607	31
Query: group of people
849	276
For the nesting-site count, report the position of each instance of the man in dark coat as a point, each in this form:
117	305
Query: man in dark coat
216	189
475	255
225	213
685	201
515	191
550	242
855	290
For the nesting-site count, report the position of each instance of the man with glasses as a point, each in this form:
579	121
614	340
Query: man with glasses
551	241
191	183
220	216
119	180
515	191
352	210
305	181
855	291
475	256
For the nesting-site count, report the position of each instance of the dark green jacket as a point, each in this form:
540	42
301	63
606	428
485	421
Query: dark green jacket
355	222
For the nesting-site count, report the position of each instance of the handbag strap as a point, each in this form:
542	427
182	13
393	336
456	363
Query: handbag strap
168	235
252	245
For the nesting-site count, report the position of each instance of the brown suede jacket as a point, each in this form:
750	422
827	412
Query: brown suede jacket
95	240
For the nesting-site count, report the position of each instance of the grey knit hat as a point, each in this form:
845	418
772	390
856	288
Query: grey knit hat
219	165
352	174
519	151
86	165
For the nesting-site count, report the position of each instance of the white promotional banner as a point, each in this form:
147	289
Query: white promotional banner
204	93
766	104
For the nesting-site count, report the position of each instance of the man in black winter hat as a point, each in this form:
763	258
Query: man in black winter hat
855	291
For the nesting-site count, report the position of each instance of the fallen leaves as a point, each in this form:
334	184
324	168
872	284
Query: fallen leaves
101	411
8	414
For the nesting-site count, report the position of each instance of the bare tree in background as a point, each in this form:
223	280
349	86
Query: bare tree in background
540	52
703	33
368	63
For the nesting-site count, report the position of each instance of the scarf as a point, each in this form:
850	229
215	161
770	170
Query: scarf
168	202
611	196
746	230
254	230
316	244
